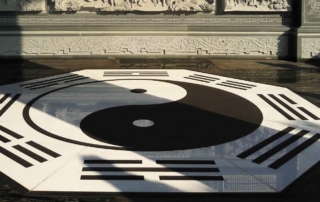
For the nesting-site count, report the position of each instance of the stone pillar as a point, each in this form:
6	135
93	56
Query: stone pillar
308	35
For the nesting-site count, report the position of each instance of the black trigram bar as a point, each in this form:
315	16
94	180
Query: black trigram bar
230	86
43	84
15	158
285	114
197	79
43	149
30	153
200	178
279	147
8	105
137	169
284	159
4	98
288	107
68	80
39	87
136	73
10	132
77	79
287	99
309	113
207	77
201	78
112	161
139	72
242	84
28	85
4	139
52	82
237	85
264	143
185	162
112	177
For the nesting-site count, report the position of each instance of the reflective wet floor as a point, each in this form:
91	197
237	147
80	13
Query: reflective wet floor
126	131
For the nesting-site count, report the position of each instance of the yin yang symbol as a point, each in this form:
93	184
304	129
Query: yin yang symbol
143	115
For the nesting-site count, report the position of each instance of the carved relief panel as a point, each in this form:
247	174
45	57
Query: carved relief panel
311	12
310	48
313	7
134	5
22	5
258	5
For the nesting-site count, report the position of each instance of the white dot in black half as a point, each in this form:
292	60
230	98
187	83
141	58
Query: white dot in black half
144	123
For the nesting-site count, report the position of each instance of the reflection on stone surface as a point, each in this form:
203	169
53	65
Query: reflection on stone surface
135	5
258	5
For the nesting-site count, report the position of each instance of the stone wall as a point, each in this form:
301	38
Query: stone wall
155	28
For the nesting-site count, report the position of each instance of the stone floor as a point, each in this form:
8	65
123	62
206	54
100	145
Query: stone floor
302	78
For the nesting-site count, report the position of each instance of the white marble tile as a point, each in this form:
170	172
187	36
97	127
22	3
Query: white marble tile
54	121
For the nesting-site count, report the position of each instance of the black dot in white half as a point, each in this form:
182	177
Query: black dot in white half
143	123
138	90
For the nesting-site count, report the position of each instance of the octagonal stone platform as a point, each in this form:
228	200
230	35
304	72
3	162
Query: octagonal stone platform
154	131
